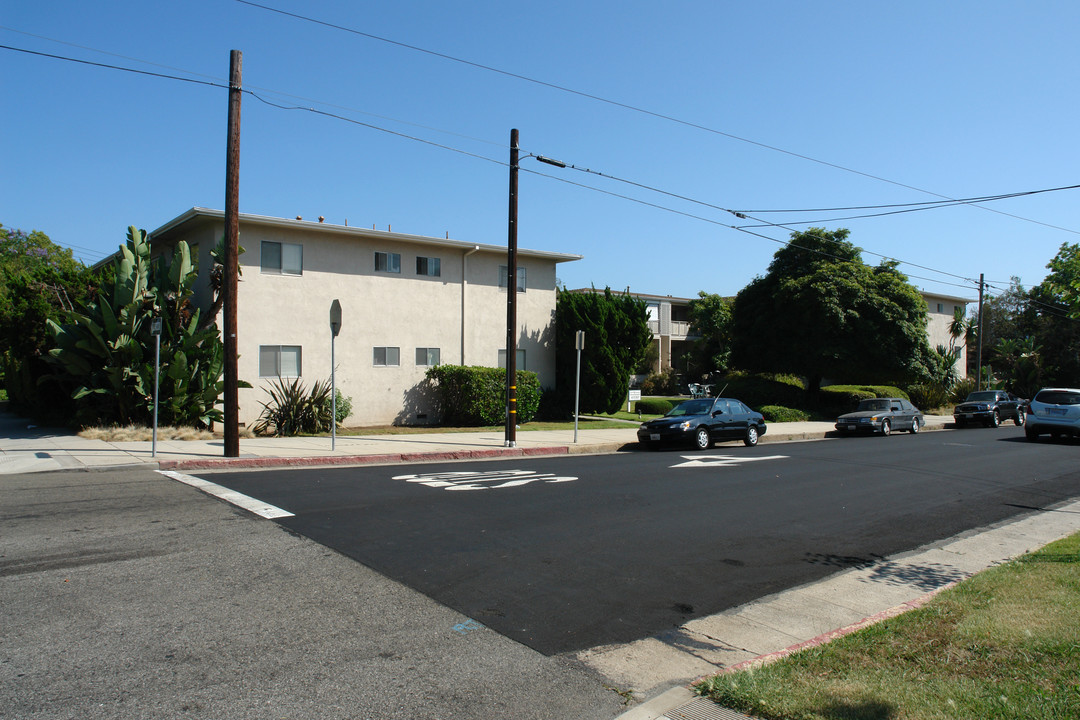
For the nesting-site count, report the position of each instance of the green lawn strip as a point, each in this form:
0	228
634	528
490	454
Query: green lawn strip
1002	644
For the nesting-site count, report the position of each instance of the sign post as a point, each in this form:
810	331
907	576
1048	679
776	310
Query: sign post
579	343
155	330
335	328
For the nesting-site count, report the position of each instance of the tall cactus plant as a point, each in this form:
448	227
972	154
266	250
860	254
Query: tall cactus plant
106	356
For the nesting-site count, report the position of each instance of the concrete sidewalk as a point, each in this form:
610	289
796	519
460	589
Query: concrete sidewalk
25	447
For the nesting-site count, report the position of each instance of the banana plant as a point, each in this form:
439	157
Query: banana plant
105	357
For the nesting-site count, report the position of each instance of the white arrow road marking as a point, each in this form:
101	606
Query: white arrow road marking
462	480
722	460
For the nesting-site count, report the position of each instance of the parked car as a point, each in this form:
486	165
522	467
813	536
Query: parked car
1053	411
703	421
989	408
882	415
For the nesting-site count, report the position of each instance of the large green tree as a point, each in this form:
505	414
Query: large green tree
39	281
821	312
617	335
710	318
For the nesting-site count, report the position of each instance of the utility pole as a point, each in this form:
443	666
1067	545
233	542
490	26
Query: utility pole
511	299
978	352
232	244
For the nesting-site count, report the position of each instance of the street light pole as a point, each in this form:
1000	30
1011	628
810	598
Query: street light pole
511	299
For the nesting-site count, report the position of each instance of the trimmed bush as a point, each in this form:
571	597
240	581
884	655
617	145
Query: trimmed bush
840	399
778	413
476	396
654	406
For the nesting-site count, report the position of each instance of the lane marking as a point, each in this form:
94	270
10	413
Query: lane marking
722	460
478	480
230	496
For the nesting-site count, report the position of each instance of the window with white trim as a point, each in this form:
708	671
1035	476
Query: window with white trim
280	361
387	357
387	262
503	270
520	355
429	266
281	258
427	356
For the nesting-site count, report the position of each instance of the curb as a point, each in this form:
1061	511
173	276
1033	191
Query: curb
389	459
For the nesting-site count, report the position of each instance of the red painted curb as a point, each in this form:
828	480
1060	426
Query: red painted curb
271	462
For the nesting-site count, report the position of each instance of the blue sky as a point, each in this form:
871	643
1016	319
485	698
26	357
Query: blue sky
882	102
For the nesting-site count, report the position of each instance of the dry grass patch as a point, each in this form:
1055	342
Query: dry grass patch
138	433
1002	644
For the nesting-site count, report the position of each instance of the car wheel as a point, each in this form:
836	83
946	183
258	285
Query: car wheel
1019	418
959	424
914	425
995	420
751	436
1031	435
886	428
701	439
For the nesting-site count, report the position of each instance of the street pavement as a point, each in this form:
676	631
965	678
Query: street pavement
658	669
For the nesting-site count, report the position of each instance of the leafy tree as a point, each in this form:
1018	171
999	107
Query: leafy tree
820	311
39	281
1063	282
710	317
105	355
617	335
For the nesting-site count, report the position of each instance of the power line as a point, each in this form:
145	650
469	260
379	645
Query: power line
627	106
743	229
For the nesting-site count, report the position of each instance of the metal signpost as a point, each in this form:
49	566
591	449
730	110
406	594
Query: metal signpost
579	343
335	328
155	330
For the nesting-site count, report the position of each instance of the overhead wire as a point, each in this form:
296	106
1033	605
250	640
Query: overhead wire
626	106
743	229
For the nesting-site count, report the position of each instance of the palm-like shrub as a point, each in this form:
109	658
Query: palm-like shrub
292	409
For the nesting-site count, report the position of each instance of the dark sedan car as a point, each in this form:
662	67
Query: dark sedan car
882	415
702	422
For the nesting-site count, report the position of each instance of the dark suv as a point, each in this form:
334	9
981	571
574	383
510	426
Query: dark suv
989	408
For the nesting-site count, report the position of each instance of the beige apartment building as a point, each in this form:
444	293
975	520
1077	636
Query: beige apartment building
940	310
408	302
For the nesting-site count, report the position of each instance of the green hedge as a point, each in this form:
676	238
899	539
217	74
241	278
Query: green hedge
840	399
476	396
654	406
778	413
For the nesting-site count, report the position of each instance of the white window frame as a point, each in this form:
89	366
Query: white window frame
428	357
290	259
521	273
391	262
386	356
520	358
279	352
432	266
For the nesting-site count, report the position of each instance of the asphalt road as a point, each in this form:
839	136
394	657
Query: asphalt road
568	553
125	594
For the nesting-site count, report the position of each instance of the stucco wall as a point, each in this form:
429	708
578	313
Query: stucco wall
462	312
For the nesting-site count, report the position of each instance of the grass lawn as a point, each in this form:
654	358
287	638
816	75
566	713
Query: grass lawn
1002	644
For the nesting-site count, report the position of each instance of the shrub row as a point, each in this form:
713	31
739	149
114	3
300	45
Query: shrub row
654	406
778	413
474	396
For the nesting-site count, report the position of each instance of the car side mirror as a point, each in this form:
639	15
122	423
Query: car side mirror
717	412
895	408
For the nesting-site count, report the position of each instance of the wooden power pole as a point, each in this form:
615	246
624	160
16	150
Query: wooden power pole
511	299
232	244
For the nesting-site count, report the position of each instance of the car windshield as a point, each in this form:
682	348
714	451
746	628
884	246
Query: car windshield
876	404
691	407
1059	397
981	396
